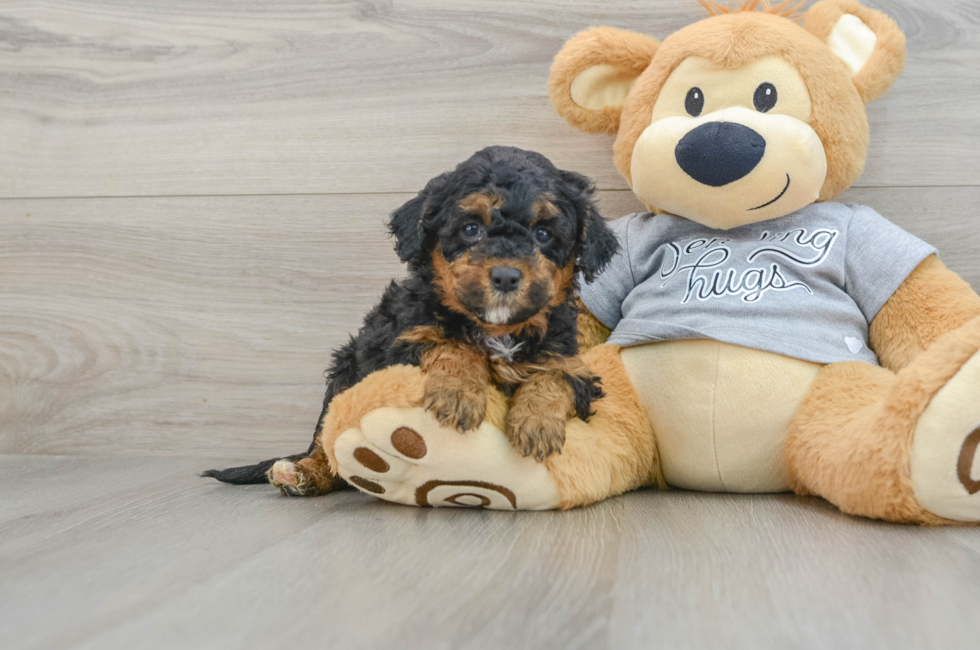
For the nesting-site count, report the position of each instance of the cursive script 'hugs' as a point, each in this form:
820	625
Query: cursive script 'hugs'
711	272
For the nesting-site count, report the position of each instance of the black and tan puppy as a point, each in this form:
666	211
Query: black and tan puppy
494	250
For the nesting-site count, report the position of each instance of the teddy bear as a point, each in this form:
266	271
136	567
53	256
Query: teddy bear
752	335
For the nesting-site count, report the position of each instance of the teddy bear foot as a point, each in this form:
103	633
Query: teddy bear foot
945	457
404	455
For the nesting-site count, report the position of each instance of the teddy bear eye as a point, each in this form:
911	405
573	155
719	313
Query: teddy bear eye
694	102
765	97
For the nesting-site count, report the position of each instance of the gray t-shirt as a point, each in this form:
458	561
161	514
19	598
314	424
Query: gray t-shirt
806	285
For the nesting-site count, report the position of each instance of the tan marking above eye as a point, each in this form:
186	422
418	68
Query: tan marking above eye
723	88
482	204
544	208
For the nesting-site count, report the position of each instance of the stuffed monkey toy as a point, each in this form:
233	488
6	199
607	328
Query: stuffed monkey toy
752	335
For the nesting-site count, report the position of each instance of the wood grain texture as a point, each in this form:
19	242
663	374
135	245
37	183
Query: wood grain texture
177	561
173	325
203	325
122	98
196	320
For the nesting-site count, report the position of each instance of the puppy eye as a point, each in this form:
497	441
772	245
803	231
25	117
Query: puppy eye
765	97
694	102
542	235
471	230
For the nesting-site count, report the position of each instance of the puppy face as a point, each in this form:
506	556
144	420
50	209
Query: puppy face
503	236
503	260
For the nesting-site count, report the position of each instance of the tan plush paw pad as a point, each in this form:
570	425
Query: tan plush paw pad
404	455
945	459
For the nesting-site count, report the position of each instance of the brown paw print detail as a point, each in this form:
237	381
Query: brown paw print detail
965	464
464	494
371	460
406	441
365	484
468	494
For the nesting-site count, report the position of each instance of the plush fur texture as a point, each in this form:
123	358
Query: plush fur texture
591	331
932	301
888	58
465	325
838	115
616	450
628	52
786	9
732	39
850	441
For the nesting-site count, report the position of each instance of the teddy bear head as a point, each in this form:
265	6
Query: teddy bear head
745	116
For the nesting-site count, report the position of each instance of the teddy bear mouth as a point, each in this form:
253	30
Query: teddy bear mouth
778	196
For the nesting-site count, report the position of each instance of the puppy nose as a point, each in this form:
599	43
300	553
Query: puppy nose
718	153
505	278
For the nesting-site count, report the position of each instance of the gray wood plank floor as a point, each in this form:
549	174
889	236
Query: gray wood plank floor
140	553
191	206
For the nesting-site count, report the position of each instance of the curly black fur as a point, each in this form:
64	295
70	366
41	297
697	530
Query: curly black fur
434	219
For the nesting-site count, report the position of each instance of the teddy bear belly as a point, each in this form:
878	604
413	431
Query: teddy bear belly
720	411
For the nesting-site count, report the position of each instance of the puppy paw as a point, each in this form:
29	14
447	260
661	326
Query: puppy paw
286	476
305	478
458	408
405	456
536	434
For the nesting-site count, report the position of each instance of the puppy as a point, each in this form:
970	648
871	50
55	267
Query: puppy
494	250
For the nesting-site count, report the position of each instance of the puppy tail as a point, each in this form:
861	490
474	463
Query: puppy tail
247	474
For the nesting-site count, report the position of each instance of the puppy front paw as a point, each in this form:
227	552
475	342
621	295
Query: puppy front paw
536	434
460	408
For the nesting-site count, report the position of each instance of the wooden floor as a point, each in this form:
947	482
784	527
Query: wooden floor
191	205
122	553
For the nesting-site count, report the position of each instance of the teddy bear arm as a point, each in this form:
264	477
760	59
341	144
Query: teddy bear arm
591	331
932	301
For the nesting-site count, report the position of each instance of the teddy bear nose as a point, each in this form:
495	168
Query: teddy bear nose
718	153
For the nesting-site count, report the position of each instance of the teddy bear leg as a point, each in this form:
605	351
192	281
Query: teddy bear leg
895	446
383	443
615	451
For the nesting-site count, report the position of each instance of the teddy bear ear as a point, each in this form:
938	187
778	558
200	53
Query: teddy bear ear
594	72
868	41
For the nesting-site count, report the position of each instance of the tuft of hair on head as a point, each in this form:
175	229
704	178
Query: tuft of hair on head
786	8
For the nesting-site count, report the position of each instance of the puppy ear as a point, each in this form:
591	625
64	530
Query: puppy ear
594	72
868	41
596	242
412	224
405	225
